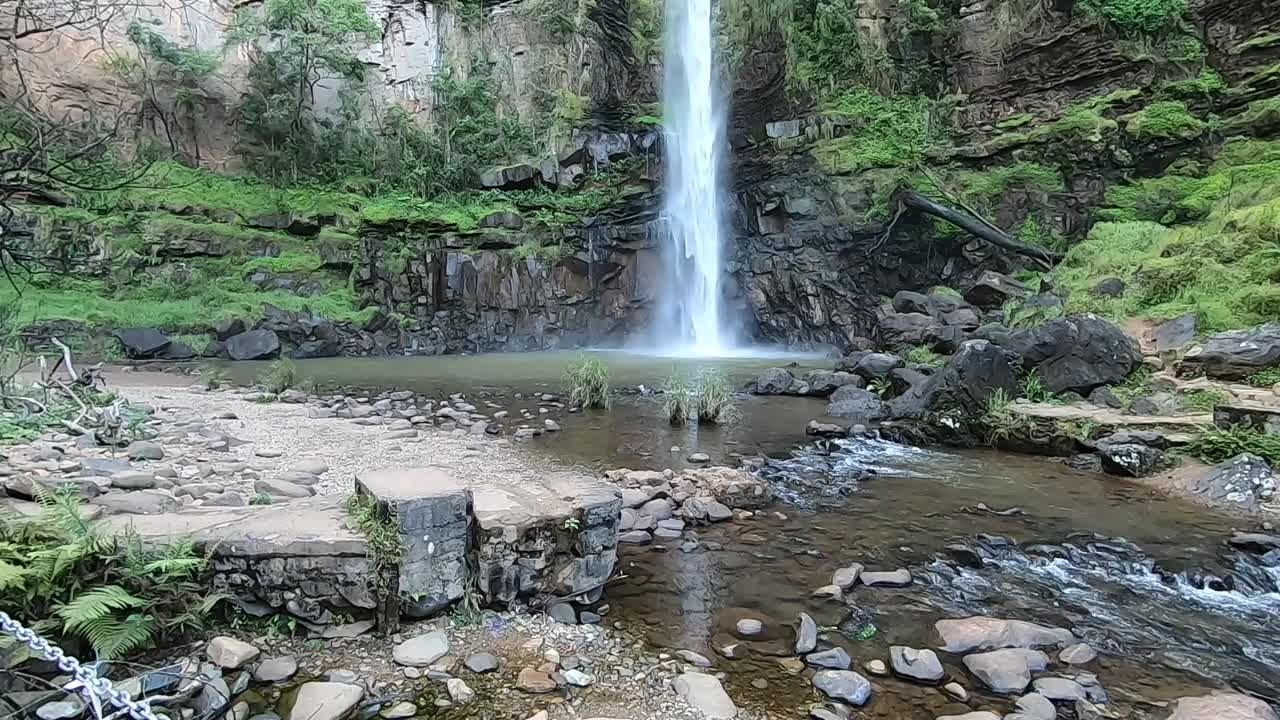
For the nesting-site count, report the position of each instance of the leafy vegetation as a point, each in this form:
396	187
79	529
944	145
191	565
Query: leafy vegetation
1215	445
381	531
1033	389
923	355
997	419
1147	17
1265	378
587	383
1084	122
886	132
75	577
1082	431
1203	400
1165	119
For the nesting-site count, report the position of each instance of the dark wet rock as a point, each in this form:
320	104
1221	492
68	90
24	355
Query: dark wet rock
977	370
1006	671
876	365
983	633
775	381
1106	397
1255	542
992	290
1130	459
563	613
906	330
921	665
806	634
906	301
1174	334
177	351
1222	706
321	348
1076	353
228	328
833	659
141	343
515	177
254	345
855	404
1237	354
824	382
1060	689
825	430
1108	288
1245	481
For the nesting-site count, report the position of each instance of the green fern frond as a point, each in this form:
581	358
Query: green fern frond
112	637
12	576
95	605
174	567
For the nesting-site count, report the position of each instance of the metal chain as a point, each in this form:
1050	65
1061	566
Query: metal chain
96	688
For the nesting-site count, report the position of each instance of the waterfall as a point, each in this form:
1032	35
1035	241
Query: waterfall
694	119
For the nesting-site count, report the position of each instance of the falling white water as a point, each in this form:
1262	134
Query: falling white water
694	139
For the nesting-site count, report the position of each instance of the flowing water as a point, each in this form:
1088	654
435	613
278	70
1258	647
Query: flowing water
694	121
1147	580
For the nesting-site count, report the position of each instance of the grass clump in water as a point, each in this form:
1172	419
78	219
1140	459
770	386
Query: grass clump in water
716	404
587	383
279	376
678	399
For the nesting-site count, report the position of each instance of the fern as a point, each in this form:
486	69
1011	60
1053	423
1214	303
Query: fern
95	605
12	576
112	637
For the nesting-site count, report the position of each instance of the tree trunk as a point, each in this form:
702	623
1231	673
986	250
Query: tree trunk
977	228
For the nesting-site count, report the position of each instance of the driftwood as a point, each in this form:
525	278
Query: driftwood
970	222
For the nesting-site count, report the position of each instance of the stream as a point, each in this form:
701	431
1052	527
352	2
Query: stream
1147	580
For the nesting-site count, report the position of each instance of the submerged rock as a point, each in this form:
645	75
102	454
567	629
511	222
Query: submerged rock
984	633
843	685
1222	706
1006	671
325	701
706	694
922	665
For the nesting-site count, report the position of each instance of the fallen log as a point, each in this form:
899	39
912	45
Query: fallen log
976	227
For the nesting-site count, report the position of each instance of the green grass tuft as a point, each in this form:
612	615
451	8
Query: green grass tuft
678	401
587	383
716	403
1217	445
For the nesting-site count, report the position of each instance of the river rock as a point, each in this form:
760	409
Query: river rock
138	502
283	488
459	691
229	653
141	343
563	613
806	634
325	701
855	404
658	509
578	678
843	685
1006	671
922	665
846	577
69	707
1078	654
1222	706
833	659
694	658
144	450
133	480
980	715
892	578
276	669
1130	459
983	633
956	690
1236	354
535	681
1035	706
398	711
705	694
774	381
749	627
876	365
828	592
1060	689
422	650
635	537
824	382
1244	481
480	663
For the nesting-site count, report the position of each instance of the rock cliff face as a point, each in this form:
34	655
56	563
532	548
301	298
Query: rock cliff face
816	244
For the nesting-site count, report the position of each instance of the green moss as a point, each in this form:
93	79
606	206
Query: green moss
1169	119
882	133
1082	122
1147	17
1205	85
1257	42
289	262
1016	121
1259	114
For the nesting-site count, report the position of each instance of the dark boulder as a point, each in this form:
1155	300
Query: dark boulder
1108	288
1245	481
992	290
177	351
1130	459
323	348
774	381
911	302
254	345
1237	354
855	404
514	177
977	370
876	365
228	328
1076	353
905	330
215	349
824	382
141	343
1106	397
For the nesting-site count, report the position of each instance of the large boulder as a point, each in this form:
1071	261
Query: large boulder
1071	354
514	177
992	290
1237	354
1245	481
983	633
325	701
969	379
706	694
855	404
1130	459
1222	706
824	382
900	331
774	381
141	343
1006	671
844	686
254	345
876	365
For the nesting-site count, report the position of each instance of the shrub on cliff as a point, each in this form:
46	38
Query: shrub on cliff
1146	17
68	575
587	383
